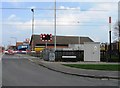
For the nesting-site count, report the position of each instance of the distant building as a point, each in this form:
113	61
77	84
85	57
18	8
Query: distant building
61	41
115	46
19	43
23	45
12	47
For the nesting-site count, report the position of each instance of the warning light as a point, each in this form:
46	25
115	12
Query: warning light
46	37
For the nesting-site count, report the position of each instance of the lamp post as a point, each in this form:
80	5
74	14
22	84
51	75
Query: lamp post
119	42
110	36
78	42
55	26
32	27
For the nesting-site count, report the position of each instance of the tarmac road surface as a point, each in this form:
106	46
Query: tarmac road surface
20	71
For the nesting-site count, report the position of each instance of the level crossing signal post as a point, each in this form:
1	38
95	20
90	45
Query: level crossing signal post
46	38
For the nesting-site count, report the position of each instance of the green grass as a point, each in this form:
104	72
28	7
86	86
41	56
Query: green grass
107	67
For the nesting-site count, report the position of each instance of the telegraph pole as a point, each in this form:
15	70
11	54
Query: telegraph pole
110	36
55	26
119	41
32	28
78	42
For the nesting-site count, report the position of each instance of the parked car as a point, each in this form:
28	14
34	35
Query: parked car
10	52
21	52
6	52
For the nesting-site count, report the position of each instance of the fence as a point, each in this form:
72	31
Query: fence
105	56
69	55
76	55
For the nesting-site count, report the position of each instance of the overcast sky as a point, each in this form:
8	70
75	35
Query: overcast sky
88	18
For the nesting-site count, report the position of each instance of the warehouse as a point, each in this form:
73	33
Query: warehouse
61	41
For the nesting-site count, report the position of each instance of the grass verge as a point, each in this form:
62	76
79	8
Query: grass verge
106	67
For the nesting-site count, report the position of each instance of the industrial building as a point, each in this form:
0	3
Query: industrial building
61	41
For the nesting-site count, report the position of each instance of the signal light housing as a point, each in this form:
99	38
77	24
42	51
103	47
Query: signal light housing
46	37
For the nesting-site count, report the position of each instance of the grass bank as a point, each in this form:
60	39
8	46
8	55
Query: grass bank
107	67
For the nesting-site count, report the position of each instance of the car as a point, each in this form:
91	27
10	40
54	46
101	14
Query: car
10	52
6	52
21	52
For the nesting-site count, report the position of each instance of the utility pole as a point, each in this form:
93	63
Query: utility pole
78	42
110	37
32	28
55	26
46	44
119	30
119	41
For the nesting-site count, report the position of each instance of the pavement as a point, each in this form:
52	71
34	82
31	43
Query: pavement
58	67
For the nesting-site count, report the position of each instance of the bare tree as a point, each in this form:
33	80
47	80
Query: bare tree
116	31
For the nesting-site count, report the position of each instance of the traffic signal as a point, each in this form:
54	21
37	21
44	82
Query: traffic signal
46	37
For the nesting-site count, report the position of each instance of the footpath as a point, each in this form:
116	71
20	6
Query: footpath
58	67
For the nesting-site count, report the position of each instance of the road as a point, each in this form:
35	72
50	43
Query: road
19	71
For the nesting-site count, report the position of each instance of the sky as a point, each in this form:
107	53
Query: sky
86	18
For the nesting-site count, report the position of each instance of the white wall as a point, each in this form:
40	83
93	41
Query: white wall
76	46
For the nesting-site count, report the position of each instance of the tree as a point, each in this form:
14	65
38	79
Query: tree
116	31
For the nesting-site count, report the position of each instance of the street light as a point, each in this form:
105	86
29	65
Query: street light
32	26
55	26
110	35
119	43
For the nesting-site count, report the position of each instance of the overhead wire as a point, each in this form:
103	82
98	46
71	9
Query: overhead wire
51	9
73	9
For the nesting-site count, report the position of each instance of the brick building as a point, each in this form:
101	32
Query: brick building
61	41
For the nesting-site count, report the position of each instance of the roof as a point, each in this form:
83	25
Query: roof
62	40
19	43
